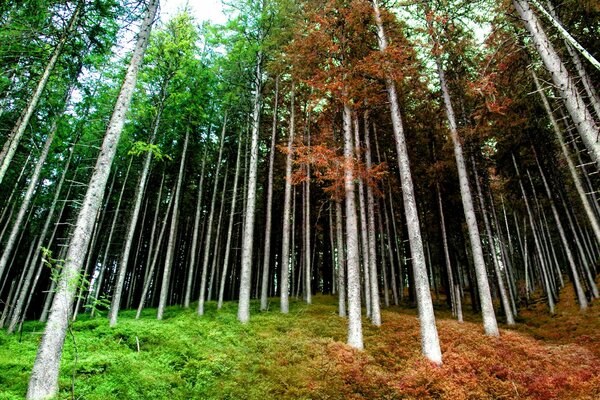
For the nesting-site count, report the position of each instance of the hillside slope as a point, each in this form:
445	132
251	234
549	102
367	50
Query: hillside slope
303	356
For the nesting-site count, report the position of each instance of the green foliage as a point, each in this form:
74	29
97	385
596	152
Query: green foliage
140	147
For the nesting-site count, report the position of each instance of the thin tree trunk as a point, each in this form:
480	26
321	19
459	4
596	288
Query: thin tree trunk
243	313
33	183
451	289
209	226
268	210
341	257
374	286
576	107
487	308
510	320
572	169
164	290
11	144
430	345
225	268
364	227
537	243
194	250
154	258
217	246
44	377
133	221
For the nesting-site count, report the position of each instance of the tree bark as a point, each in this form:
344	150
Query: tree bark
194	250
225	268
209	226
576	107
268	210
44	377
355	336
243	313
430	344
133	221
164	289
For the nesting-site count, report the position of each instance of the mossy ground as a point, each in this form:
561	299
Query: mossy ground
303	356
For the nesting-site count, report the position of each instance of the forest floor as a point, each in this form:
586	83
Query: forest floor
303	356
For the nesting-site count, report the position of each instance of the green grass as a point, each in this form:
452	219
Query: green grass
302	355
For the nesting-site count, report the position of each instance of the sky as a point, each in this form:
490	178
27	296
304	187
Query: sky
201	9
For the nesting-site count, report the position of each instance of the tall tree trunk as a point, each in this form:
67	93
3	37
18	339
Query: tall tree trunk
364	226
225	268
113	226
44	377
154	258
20	306
536	240
164	289
430	344
243	313
341	258
576	107
510	320
33	183
355	336
209	226
589	211
194	250
487	308
217	246
374	281
451	289
133	221
268	210
11	144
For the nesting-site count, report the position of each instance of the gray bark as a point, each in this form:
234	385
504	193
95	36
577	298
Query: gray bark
584	122
268	210
355	336
43	382
243	313
33	183
164	289
192	262
209	226
133	221
225	268
430	345
341	259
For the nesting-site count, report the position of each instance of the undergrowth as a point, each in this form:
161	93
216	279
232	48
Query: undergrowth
303	356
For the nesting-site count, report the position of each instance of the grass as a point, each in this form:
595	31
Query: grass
303	356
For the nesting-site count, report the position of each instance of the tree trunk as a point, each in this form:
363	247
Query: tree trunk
268	210
487	308
164	289
194	250
33	183
44	377
243	314
341	257
225	268
430	344
133	221
209	226
374	285
355	336
510	320
576	107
